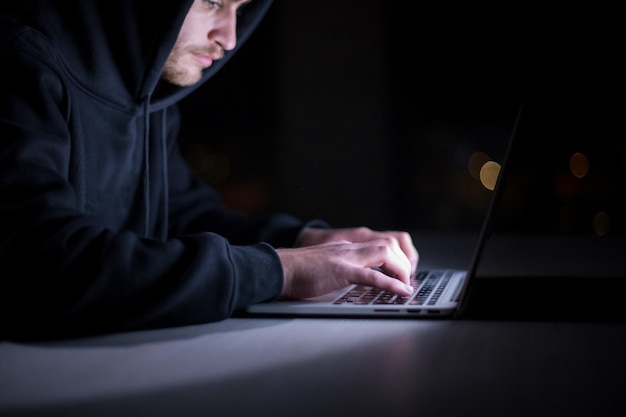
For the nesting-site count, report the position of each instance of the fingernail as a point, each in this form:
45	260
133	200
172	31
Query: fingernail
409	288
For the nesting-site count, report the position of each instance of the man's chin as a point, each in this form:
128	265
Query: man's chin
183	79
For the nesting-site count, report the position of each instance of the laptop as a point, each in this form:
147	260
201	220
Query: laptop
437	292
556	244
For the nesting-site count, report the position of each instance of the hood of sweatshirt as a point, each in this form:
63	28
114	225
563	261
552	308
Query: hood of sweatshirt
96	201
112	52
116	49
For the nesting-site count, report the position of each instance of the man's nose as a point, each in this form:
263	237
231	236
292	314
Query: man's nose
225	33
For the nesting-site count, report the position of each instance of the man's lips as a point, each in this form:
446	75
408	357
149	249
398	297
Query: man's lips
205	60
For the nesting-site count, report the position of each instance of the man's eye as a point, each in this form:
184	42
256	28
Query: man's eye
212	3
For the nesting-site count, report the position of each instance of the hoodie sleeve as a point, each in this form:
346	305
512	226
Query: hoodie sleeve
65	275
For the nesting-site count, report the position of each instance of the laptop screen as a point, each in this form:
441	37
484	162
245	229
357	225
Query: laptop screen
562	206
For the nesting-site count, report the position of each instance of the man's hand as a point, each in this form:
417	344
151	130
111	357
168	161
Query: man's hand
311	236
330	259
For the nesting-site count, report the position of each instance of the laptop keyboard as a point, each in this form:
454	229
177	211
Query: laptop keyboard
427	288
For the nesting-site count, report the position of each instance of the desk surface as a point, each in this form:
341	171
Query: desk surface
324	367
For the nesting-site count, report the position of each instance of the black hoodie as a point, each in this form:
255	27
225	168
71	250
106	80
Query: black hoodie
103	226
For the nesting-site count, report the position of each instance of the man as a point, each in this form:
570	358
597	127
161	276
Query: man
104	227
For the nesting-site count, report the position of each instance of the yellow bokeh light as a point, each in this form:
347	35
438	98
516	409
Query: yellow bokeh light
601	223
489	174
579	165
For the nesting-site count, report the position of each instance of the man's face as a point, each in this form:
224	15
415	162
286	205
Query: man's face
208	30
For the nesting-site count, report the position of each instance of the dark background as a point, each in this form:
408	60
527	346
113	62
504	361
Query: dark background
367	113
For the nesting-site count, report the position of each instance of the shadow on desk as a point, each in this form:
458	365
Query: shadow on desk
547	299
